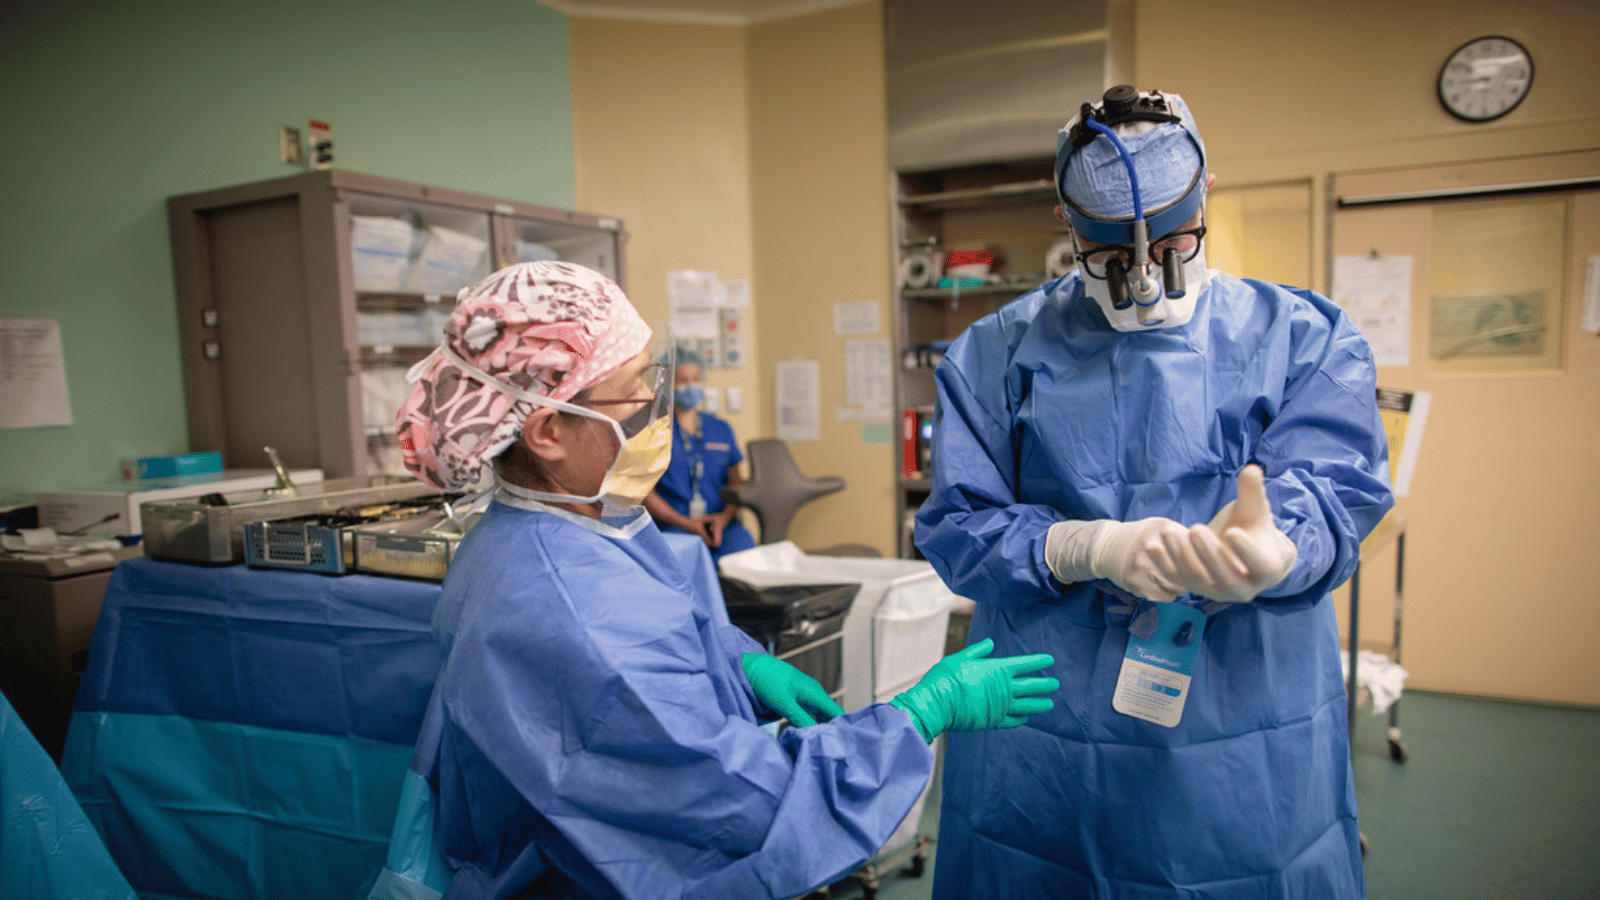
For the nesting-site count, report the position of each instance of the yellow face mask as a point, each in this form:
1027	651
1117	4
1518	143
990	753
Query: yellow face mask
644	457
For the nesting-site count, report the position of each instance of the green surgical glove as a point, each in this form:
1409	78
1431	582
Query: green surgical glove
786	690
966	692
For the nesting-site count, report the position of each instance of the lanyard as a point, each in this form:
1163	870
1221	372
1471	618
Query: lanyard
695	446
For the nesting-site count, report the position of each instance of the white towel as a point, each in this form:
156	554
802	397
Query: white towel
1380	677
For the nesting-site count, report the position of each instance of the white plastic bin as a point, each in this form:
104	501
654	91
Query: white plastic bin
896	628
381	250
894	633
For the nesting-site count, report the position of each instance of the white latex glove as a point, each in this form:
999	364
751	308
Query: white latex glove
1132	555
1239	554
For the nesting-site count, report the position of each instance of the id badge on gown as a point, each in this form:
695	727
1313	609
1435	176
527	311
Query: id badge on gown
1154	682
697	506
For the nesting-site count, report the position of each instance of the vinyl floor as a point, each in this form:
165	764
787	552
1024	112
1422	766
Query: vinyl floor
1495	801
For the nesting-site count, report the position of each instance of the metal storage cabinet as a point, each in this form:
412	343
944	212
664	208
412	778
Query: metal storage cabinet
302	303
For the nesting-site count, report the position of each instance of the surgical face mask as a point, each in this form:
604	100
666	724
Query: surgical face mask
639	466
689	396
1165	312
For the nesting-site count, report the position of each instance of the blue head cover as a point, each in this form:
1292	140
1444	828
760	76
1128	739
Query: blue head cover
1095	190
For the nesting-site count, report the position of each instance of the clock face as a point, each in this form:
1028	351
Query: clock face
1485	78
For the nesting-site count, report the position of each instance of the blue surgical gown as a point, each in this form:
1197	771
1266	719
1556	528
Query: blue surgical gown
1045	413
592	733
710	453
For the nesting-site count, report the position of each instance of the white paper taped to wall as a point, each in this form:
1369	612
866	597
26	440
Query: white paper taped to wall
33	373
856	318
798	395
866	376
1375	291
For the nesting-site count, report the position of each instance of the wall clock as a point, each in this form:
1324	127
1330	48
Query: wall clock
1485	78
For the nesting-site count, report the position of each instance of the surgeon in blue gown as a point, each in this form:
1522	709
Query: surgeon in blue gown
594	732
1146	450
705	459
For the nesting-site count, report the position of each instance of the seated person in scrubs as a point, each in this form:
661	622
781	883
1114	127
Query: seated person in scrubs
594	732
705	459
1143	462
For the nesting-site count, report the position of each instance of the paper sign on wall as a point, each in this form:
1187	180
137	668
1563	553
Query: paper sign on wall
1375	291
33	373
798	400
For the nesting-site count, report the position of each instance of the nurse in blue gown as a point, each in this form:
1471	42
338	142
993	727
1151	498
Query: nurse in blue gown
594	731
1146	450
705	459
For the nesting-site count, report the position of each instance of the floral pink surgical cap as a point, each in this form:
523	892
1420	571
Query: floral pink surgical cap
547	328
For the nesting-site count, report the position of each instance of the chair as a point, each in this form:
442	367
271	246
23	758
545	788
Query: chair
776	491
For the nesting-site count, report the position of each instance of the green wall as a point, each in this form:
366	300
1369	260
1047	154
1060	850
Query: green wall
111	107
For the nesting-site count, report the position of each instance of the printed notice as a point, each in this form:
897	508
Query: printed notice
33	374
856	318
798	395
693	298
1375	291
866	379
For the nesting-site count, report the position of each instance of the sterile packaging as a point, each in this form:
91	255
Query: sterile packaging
448	261
381	250
383	390
528	251
115	510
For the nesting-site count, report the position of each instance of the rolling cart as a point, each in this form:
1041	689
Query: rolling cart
1393	527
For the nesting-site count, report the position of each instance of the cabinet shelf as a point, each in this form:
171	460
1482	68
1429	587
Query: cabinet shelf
385	354
370	300
1019	191
949	293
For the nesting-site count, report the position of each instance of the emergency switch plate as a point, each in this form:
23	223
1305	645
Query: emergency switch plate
289	146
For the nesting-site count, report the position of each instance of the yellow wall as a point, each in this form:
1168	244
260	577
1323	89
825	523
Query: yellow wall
1286	93
819	159
1290	91
759	152
660	133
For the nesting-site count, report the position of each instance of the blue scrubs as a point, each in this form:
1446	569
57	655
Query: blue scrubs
592	733
1045	413
711	453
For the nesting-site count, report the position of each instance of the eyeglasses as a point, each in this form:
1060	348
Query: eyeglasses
654	377
1187	243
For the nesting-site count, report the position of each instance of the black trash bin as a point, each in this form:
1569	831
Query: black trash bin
801	624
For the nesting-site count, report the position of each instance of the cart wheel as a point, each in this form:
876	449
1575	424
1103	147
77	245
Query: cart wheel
1397	746
919	864
919	859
